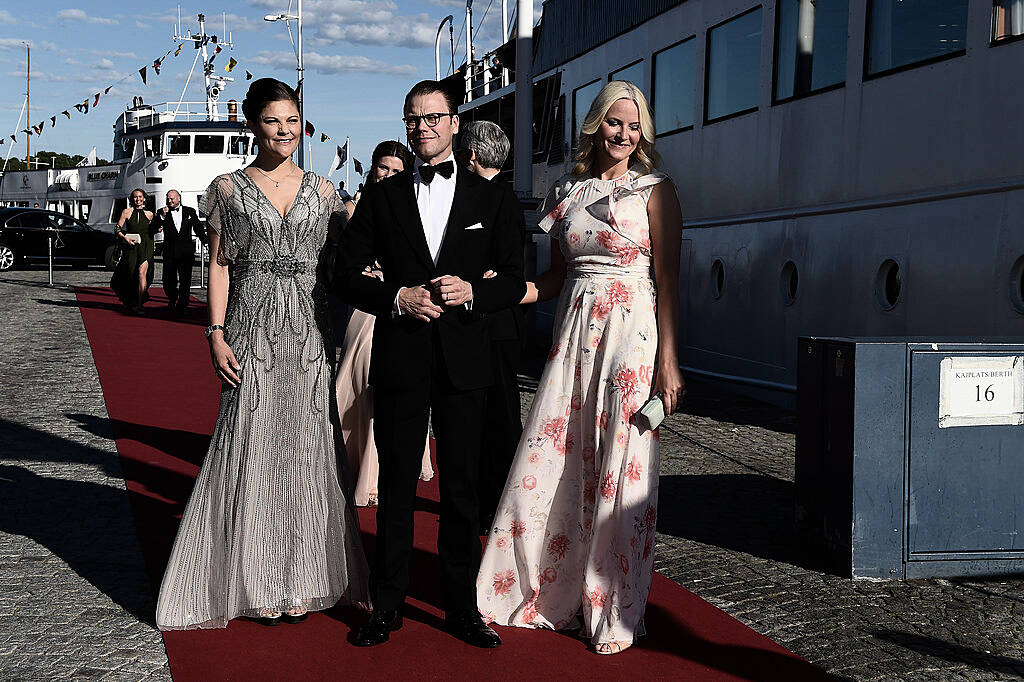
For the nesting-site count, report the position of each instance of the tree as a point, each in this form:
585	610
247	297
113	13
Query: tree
47	159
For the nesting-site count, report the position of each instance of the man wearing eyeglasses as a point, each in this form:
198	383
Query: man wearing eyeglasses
434	229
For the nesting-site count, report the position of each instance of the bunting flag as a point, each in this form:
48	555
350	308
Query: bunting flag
67	113
14	139
3	140
108	89
248	76
27	132
213	39
323	137
142	72
53	121
310	129
358	166
79	107
85	106
339	159
39	128
97	100
232	63
178	51
218	50
156	67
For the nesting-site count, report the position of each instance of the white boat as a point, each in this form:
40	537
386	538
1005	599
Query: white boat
174	145
845	168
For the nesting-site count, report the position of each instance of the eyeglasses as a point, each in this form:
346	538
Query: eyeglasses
411	122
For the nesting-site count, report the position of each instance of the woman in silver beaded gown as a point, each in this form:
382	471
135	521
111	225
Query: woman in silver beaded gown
268	533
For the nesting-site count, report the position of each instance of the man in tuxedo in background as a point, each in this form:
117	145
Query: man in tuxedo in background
484	148
178	222
434	229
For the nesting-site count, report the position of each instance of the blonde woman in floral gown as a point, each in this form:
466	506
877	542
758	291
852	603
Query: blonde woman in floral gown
574	533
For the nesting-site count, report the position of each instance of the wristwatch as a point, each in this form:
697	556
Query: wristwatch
212	328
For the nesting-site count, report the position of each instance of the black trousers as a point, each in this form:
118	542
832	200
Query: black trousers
504	427
178	278
399	428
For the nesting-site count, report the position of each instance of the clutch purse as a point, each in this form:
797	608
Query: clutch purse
650	416
134	237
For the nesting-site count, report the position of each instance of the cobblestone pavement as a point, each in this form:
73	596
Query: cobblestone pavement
74	601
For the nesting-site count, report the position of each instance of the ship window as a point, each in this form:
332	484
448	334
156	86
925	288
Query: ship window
556	153
810	47
582	98
179	144
239	145
209	144
888	284
733	66
1007	19
905	32
675	73
84	208
634	73
154	145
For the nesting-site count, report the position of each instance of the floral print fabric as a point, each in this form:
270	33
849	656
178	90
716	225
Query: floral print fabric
574	532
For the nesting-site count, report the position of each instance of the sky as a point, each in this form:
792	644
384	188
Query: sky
360	57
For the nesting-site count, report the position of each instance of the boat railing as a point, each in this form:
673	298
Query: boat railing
488	74
169	112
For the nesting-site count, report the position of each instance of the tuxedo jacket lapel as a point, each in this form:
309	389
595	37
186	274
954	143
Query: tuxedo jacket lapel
409	217
458	217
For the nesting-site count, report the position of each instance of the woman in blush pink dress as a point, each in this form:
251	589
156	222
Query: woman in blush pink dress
574	532
355	400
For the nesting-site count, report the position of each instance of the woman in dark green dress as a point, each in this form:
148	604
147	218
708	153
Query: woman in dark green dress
134	273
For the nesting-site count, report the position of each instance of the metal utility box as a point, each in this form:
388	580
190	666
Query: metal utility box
910	456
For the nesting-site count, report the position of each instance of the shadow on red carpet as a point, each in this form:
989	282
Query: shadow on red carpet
163	405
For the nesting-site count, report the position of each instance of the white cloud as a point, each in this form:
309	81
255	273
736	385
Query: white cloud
75	14
332	64
139	24
6	17
368	22
19	43
114	53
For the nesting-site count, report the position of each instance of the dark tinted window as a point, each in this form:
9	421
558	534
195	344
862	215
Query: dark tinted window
634	73
179	144
811	45
675	72
29	220
64	222
902	32
209	144
734	66
582	98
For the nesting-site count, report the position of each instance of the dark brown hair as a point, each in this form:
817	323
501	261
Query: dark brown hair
264	91
389	148
428	88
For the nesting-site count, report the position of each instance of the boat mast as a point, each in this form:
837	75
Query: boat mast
214	83
523	160
28	105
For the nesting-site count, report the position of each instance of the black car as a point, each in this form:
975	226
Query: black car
25	232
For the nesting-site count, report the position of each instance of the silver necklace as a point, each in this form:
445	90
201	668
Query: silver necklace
277	183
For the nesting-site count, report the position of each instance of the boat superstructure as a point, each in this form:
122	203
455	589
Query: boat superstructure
845	168
178	145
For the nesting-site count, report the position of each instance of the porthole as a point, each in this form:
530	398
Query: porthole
888	284
789	281
1017	285
717	278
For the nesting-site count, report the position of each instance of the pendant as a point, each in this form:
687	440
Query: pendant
277	184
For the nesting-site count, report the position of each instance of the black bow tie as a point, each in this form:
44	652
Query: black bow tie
445	169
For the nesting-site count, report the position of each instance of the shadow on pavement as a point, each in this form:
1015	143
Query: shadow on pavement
743	512
950	651
88	525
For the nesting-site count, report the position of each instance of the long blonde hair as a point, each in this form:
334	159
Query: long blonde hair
644	155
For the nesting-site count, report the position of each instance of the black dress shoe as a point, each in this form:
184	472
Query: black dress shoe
263	620
379	628
471	629
297	618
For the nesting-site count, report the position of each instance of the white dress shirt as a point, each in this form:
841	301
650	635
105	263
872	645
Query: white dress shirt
176	217
434	201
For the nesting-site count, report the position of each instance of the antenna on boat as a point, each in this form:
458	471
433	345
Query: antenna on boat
215	83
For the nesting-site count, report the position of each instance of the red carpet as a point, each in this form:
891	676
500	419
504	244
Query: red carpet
162	397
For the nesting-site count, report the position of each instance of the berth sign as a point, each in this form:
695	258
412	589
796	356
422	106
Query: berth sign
981	391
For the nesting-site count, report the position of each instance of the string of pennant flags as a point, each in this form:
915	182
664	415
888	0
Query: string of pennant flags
84	106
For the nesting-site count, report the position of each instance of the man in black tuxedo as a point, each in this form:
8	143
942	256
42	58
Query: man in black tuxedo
484	148
178	222
434	229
